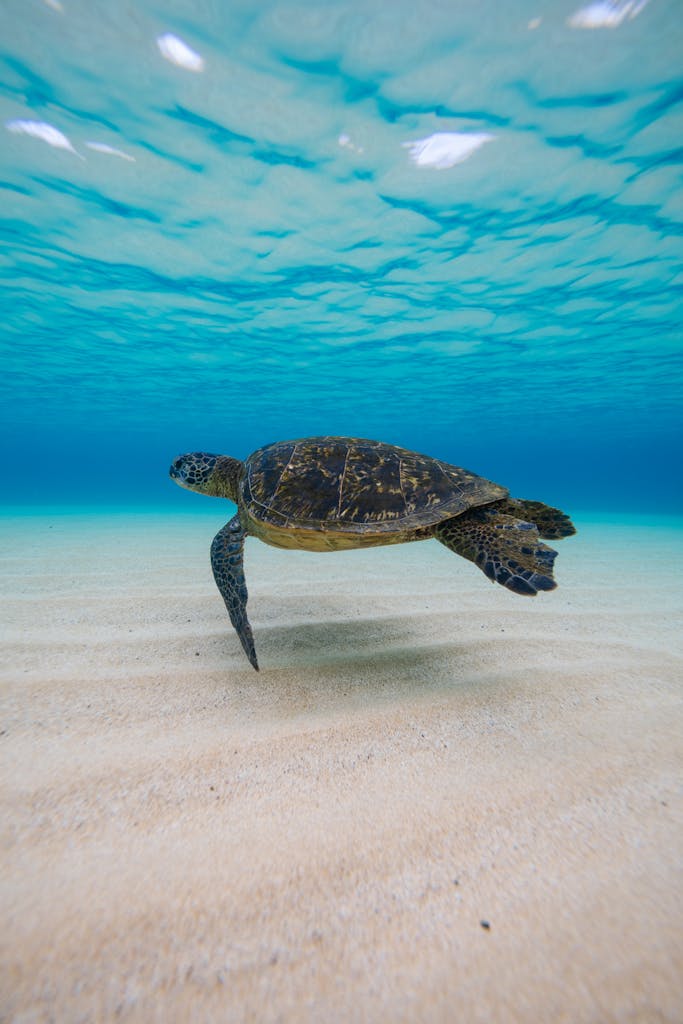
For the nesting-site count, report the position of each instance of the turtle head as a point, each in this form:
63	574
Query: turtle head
216	475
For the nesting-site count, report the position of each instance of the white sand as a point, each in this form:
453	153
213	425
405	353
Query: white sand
187	840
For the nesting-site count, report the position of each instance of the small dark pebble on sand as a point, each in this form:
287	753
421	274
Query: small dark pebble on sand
197	653
485	924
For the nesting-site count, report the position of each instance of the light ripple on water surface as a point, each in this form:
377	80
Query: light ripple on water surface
270	261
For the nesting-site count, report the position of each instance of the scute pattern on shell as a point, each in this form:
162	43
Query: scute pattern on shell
356	485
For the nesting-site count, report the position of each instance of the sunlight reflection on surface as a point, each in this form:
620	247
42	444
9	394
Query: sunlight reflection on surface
178	52
41	130
102	147
606	13
445	149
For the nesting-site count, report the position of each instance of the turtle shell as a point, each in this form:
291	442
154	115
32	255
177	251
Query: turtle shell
352	485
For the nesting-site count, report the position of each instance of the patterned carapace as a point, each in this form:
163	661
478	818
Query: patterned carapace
357	485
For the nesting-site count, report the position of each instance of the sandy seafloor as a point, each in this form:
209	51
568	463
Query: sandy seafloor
187	840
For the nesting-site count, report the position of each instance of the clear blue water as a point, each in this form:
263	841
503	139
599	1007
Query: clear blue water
239	242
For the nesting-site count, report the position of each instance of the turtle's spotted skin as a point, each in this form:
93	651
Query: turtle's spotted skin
335	493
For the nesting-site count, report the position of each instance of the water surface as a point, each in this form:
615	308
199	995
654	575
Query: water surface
456	227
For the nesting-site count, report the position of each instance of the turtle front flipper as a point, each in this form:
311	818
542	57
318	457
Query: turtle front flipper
506	549
227	552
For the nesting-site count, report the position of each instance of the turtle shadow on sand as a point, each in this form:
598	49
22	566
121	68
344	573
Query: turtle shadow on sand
378	655
313	674
330	642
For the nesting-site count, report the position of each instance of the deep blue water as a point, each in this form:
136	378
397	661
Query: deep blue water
262	242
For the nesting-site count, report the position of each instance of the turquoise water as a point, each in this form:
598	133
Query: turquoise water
455	227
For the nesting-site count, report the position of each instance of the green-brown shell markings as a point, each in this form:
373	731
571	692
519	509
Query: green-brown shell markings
356	485
334	493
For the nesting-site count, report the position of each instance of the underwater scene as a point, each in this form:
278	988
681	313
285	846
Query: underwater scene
452	228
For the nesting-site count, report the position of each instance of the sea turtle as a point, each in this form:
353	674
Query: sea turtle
335	493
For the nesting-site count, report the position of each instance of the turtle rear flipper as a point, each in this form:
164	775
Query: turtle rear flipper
552	524
506	549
